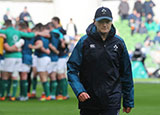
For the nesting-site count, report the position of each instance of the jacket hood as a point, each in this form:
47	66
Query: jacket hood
92	32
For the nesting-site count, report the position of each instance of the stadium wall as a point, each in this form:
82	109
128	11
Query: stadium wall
82	11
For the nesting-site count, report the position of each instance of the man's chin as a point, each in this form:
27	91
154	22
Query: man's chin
103	33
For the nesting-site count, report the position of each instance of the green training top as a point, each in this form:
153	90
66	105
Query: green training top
13	36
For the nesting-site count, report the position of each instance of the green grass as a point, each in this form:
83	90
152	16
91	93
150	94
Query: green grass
146	99
146	103
36	107
151	80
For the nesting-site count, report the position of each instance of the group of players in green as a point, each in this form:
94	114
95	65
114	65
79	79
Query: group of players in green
42	48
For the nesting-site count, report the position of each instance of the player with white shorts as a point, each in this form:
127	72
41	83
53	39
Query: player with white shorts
56	35
1	70
43	61
13	55
26	63
35	73
61	70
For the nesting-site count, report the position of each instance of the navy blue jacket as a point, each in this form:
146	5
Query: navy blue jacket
27	52
55	40
46	42
102	69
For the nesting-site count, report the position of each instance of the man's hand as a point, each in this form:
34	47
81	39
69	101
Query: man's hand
127	110
83	96
30	46
3	35
54	49
48	51
19	49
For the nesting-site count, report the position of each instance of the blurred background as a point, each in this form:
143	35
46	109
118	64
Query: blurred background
136	21
82	11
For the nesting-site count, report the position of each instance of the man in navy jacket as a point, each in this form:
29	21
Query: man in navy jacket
99	69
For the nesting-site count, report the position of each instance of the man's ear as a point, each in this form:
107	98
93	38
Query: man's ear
94	21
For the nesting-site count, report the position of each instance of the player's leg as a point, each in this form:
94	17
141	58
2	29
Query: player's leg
1	70
17	69
24	86
0	82
29	80
42	66
4	84
63	84
34	79
24	74
53	85
52	70
34	82
14	78
9	66
9	86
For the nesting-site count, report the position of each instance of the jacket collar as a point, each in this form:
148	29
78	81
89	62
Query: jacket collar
92	32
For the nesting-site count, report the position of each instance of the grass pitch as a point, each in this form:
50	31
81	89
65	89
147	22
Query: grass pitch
147	102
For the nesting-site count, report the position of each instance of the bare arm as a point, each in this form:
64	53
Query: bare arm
11	48
63	45
47	51
3	35
44	33
38	45
54	49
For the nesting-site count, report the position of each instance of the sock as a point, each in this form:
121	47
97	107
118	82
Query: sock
29	80
58	90
4	87
15	85
9	87
21	88
34	82
46	88
53	87
24	87
0	87
64	86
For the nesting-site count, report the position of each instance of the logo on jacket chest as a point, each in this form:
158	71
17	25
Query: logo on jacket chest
115	47
92	46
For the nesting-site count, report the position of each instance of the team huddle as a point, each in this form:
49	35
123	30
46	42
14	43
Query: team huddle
43	49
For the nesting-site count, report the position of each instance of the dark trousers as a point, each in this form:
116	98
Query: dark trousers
99	112
124	17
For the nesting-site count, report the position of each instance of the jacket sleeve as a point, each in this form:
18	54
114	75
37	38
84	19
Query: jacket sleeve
126	79
27	35
2	31
73	68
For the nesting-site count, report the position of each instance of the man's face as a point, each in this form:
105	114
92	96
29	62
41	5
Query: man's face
55	22
103	26
25	9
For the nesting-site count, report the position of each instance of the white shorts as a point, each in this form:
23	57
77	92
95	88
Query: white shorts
52	67
34	60
12	64
62	66
43	64
25	68
1	65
